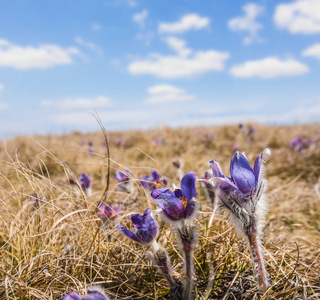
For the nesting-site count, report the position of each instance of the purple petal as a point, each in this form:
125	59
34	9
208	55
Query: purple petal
157	192
165	181
188	185
171	205
216	169
150	223
72	296
137	221
121	176
242	173
144	236
178	193
257	166
228	192
94	295
155	175
128	233
191	205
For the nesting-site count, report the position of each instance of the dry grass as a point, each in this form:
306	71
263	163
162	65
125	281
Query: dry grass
59	247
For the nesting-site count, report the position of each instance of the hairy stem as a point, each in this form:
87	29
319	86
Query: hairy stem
188	286
187	236
258	261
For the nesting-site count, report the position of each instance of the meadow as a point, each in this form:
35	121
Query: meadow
52	247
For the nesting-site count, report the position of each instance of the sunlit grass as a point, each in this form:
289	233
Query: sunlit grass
60	247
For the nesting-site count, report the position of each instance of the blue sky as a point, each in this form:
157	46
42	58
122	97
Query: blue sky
146	63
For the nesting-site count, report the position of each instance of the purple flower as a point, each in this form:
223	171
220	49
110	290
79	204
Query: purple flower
157	142
85	181
94	293
107	212
297	143
145	227
125	183
122	177
242	191
153	181
181	203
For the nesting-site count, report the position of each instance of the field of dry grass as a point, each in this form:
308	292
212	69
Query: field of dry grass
52	249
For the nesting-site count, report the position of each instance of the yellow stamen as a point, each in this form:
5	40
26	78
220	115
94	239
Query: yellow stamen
184	201
159	184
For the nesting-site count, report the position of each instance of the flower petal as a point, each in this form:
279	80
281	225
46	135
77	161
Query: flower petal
171	205
150	223
242	173
188	185
94	295
263	156
190	207
144	236
178	193
72	296
216	169
137	221
128	233
228	193
155	175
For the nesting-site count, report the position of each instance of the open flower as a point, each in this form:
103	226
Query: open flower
107	212
180	203
153	181
145	227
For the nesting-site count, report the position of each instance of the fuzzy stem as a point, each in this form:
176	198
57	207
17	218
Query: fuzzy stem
187	236
162	261
259	266
188	286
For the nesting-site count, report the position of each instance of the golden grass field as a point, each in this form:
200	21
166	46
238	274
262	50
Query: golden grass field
50	250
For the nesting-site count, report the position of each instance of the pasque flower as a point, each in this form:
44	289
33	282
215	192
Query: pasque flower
180	203
125	182
153	181
85	183
107	212
94	293
145	227
243	196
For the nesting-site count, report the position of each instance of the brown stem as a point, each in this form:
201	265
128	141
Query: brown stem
257	257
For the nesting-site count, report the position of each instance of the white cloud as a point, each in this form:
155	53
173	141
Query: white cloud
140	18
29	57
178	45
1	87
248	22
269	67
300	16
313	50
186	64
95	26
165	93
187	22
84	43
79	103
